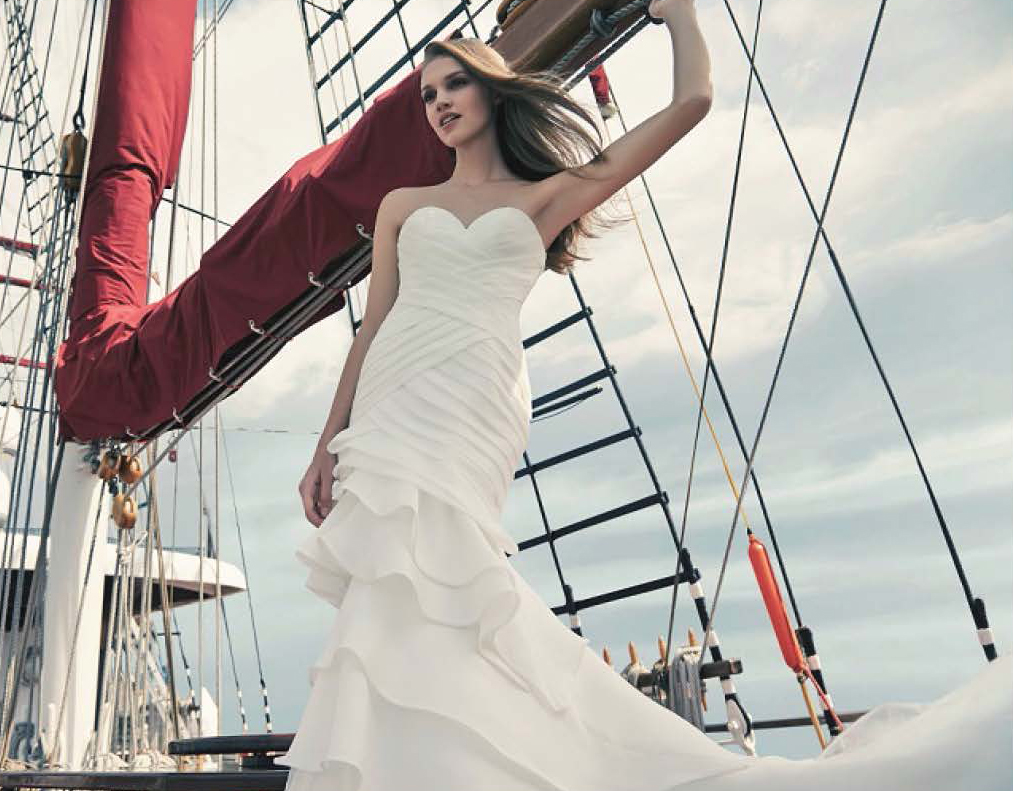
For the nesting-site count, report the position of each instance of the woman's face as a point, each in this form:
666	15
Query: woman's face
447	88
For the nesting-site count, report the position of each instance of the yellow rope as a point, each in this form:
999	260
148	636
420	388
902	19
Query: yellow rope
682	349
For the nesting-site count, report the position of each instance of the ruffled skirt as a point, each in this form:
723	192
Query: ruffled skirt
443	670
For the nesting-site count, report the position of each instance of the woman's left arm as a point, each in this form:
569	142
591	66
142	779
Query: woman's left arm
568	196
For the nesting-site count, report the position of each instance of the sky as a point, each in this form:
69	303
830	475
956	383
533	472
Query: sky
921	221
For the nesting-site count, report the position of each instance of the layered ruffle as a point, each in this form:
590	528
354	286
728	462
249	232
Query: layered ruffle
434	557
442	663
450	418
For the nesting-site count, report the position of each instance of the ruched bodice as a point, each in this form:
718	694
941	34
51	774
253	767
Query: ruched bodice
457	313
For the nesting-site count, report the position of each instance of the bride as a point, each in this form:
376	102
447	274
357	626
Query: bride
443	670
511	141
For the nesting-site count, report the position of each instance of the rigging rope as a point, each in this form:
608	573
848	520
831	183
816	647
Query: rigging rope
803	632
41	393
79	113
709	351
327	69
219	610
219	16
201	510
798	298
711	366
975	605
683	355
212	551
16	664
249	585
356	289
343	120
52	198
146	605
550	539
164	594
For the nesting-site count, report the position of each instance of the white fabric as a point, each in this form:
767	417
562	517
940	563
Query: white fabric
443	670
962	742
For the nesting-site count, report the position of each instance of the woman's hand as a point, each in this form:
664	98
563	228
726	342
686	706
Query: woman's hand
658	8
315	486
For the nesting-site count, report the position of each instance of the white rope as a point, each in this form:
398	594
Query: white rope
100	747
685	688
327	60
218	540
351	56
200	455
129	651
145	616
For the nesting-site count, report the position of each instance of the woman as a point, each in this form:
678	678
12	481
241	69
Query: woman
444	670
468	79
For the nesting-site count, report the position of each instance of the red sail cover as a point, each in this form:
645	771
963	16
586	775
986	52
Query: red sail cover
126	365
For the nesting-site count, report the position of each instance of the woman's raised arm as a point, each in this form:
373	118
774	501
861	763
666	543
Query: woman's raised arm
568	196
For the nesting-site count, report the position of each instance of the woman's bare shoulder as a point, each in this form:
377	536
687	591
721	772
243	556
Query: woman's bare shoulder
402	201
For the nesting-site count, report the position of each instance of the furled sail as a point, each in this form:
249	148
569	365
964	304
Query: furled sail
127	366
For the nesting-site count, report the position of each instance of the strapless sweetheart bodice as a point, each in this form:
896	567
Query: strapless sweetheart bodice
480	271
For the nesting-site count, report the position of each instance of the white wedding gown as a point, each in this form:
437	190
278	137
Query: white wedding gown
443	670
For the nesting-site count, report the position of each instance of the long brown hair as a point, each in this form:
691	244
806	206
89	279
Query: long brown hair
537	129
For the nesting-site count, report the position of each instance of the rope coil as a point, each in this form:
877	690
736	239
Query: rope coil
685	687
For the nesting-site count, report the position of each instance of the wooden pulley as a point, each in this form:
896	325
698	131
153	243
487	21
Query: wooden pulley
73	148
124	511
130	468
110	465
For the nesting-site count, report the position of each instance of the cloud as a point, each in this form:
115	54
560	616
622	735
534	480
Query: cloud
941	241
